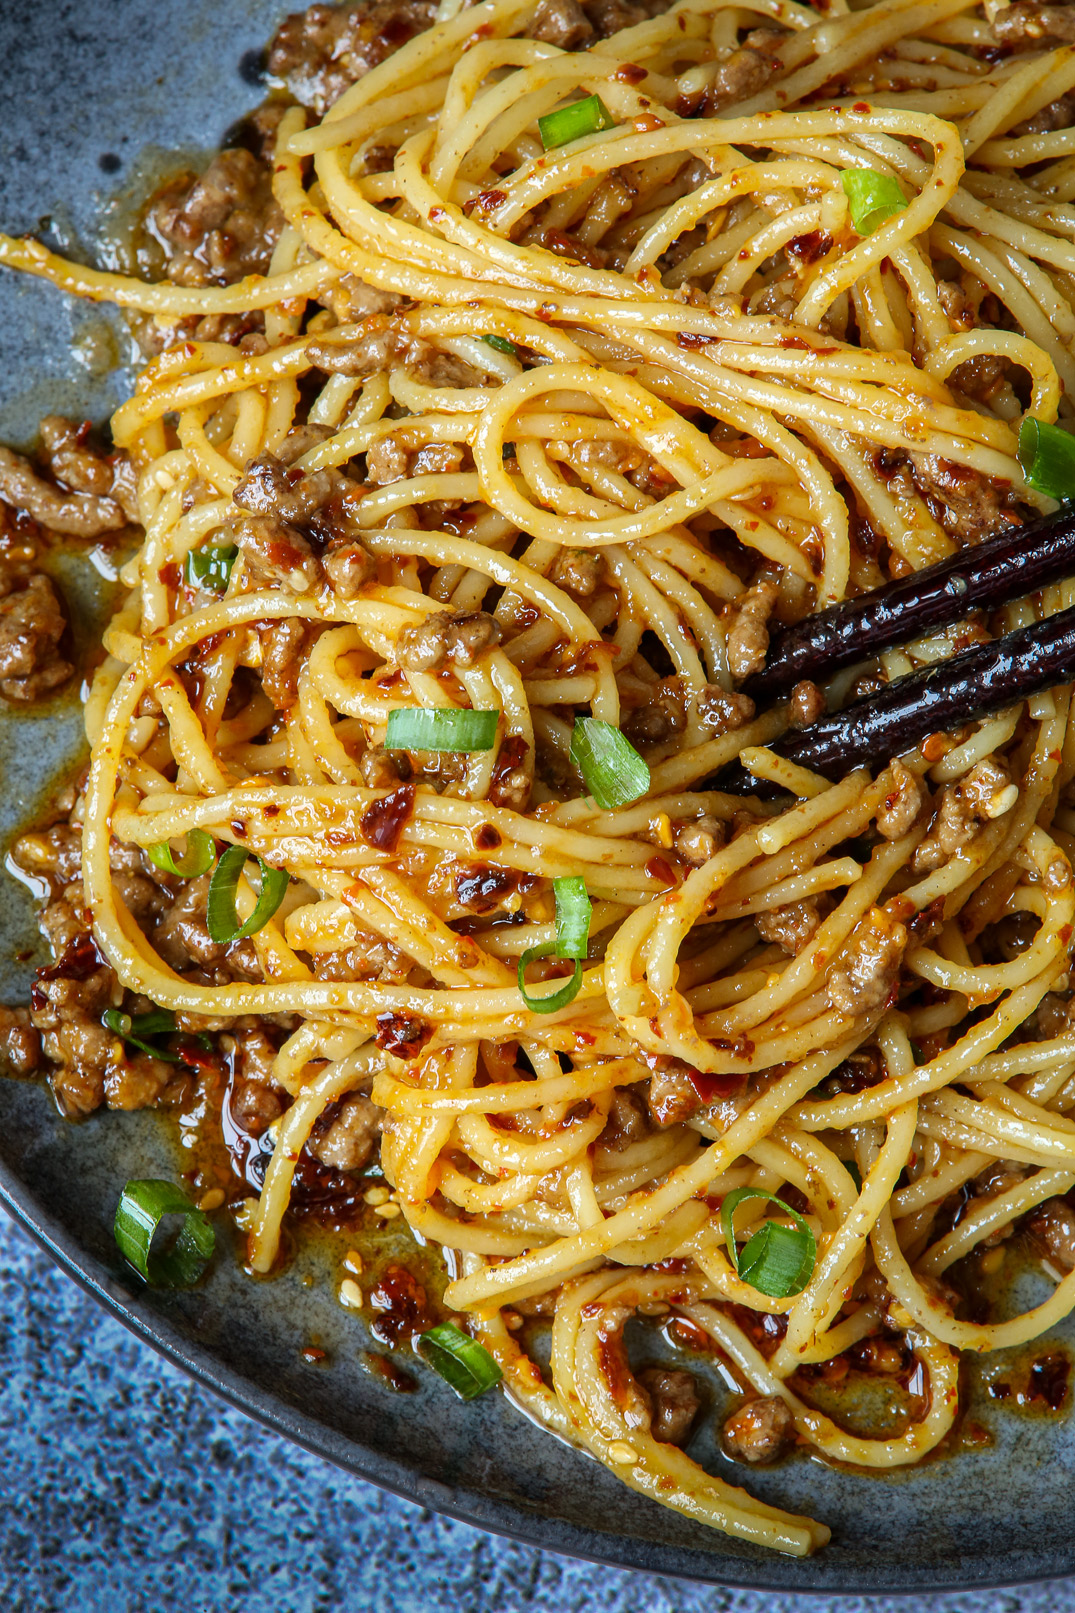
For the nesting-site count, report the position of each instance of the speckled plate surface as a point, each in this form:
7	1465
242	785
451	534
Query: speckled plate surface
91	90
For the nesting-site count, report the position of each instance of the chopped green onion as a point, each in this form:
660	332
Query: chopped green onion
136	1028
221	917
567	123
210	566
557	999
573	914
873	197
777	1260
465	1366
614	772
1047	455
502	345
142	1207
197	859
446	728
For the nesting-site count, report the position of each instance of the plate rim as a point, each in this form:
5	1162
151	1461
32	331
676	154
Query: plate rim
478	1510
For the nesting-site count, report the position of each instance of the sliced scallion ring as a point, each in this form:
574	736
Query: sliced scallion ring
1047	455
614	772
573	914
134	1030
195	861
210	566
221	917
445	728
567	123
467	1367
873	198
141	1209
556	999
777	1260
502	345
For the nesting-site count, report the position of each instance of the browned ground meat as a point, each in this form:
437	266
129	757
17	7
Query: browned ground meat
792	927
1027	25
673	1400
760	1431
283	649
983	794
748	639
1053	1227
628	1120
967	504
79	515
608	17
578	571
32	626
696	842
746	71
1059	114
277	556
446	637
805	704
348	569
720	712
902	804
563	23
221	225
663	715
320	52
371	958
20	1042
866	975
350	1136
672	1095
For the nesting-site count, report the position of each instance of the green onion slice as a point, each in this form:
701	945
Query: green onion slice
464	1365
210	566
573	914
446	728
557	999
137	1028
502	345
1047	455
567	123
142	1207
777	1260
873	197
614	772
197	859
221	917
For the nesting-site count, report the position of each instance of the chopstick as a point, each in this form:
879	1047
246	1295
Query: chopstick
974	683
992	574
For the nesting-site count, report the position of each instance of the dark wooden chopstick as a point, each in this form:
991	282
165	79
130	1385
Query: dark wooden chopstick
975	683
983	578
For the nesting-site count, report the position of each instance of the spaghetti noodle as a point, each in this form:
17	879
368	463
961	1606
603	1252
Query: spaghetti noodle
548	430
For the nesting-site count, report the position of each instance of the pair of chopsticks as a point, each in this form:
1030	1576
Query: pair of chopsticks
971	684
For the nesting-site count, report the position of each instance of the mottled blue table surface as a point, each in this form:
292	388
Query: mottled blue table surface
129	1489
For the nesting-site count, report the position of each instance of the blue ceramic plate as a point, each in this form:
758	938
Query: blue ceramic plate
101	87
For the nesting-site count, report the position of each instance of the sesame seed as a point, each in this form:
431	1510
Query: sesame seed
244	1214
377	1195
622	1453
211	1200
353	1261
512	1321
387	1212
351	1295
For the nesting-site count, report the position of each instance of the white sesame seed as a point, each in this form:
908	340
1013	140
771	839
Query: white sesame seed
377	1195
387	1212
622	1453
353	1261
212	1200
351	1295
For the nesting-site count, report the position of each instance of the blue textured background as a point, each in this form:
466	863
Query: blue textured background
129	1489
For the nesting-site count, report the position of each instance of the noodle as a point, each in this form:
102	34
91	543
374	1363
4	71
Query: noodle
618	400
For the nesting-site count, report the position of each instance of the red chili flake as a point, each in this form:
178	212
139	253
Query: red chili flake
934	747
808	248
510	758
741	1046
79	959
657	868
169	574
402	1035
694	339
861	106
648	123
710	1087
487	836
383	821
630	73
402	1304
313	1355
